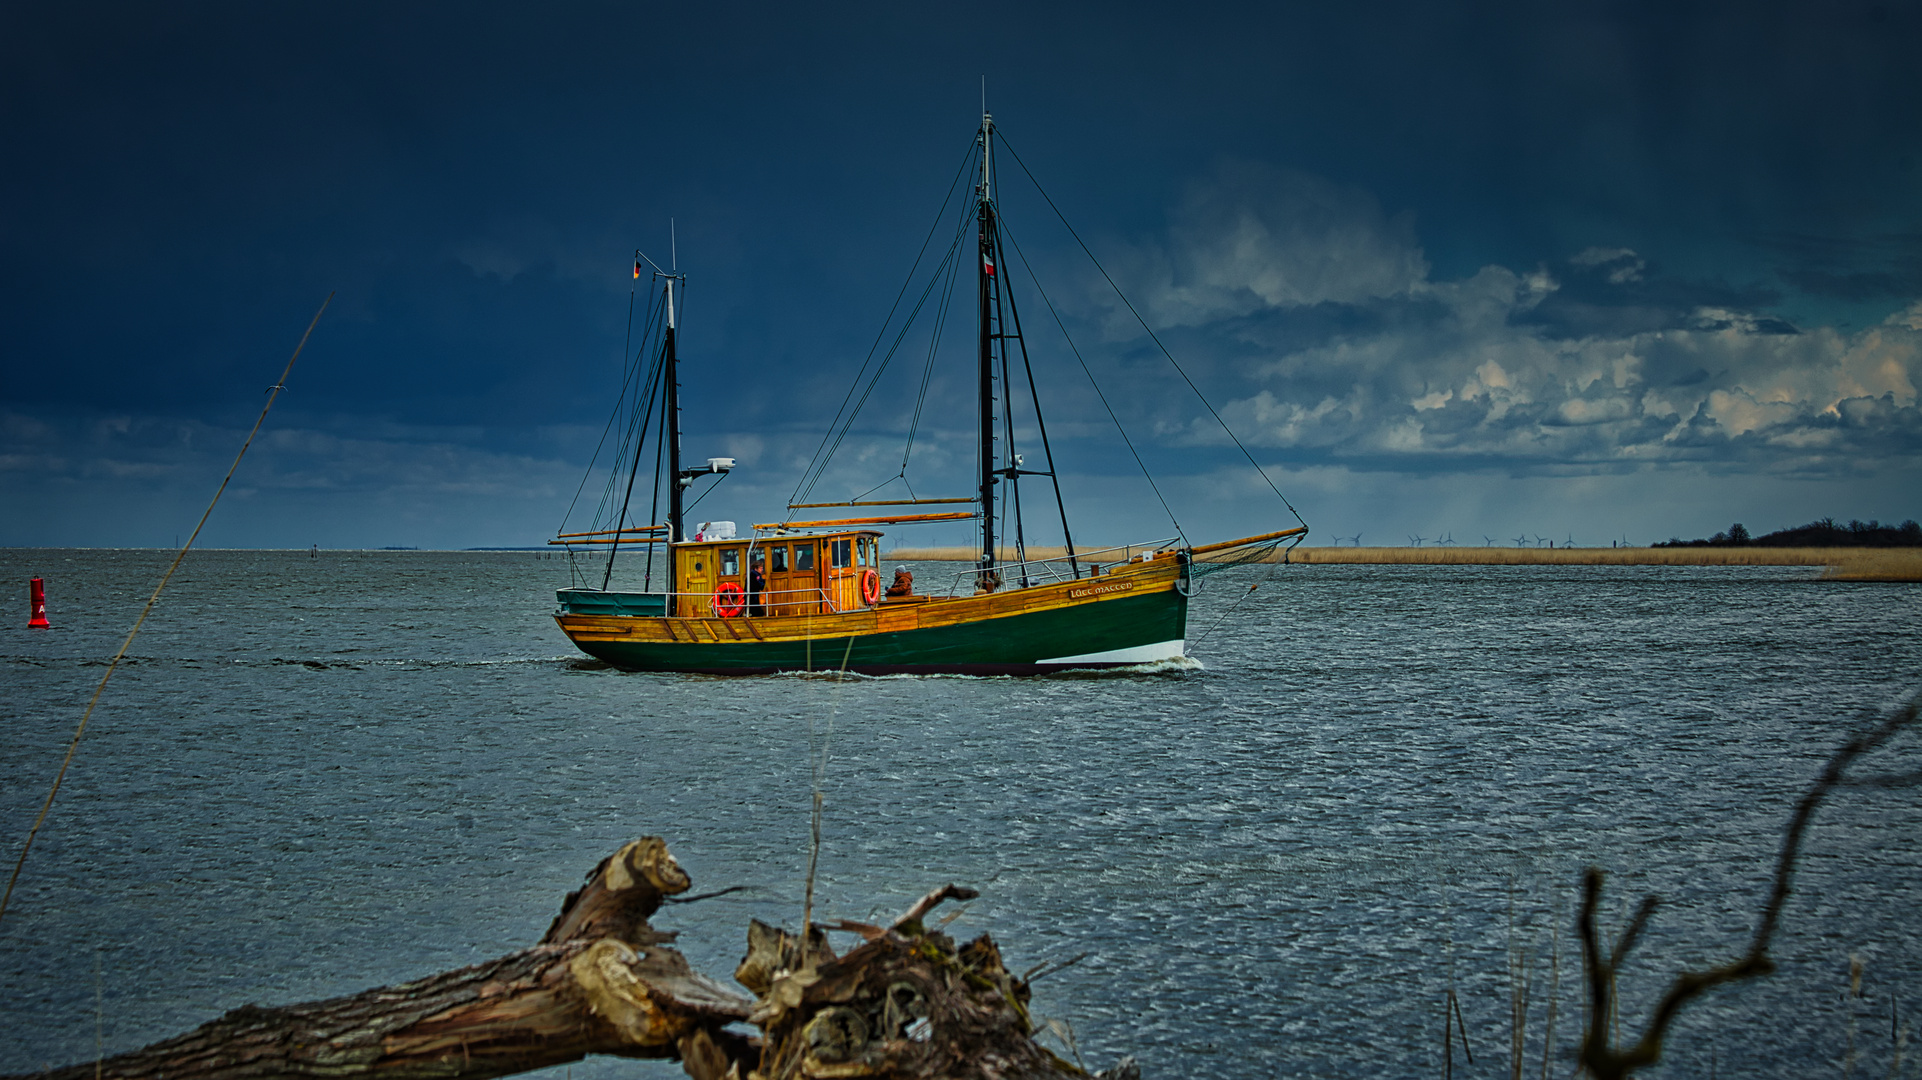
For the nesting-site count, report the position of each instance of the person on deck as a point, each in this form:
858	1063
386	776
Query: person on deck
756	584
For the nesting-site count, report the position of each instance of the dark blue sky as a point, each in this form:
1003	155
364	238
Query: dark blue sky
1601	270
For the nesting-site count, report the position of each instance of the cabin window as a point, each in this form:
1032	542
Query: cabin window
779	561
861	551
804	556
730	562
757	557
842	553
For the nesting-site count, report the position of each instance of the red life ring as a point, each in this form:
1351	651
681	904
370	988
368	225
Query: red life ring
870	587
728	600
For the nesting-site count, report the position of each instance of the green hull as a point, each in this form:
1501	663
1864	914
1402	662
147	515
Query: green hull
1109	633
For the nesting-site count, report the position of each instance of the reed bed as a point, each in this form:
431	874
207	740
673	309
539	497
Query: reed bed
1878	564
1844	564
1532	556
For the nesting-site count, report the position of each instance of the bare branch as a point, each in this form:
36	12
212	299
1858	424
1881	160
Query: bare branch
1634	931
1597	968
1606	1063
931	901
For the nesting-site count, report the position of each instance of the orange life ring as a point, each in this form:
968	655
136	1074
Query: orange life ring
870	587
728	600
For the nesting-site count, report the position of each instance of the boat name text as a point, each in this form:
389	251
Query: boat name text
1119	586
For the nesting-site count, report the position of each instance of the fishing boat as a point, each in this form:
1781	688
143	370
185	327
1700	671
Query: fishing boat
806	593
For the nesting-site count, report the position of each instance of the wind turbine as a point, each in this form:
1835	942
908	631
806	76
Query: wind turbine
1355	540
1570	542
1447	541
1539	540
1487	540
1522	540
1416	540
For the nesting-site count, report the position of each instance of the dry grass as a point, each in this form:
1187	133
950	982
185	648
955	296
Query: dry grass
1844	564
1531	556
1878	564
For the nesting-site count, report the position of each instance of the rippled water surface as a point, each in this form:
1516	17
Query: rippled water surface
317	775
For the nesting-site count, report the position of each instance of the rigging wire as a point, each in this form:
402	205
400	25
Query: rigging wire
811	476
1116	420
634	471
705	494
654	507
927	371
629	368
273	393
648	335
1041	424
1273	567
1152	336
832	442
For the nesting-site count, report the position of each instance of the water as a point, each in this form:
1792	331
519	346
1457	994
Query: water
319	775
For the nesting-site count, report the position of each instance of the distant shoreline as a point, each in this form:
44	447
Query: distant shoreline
1844	564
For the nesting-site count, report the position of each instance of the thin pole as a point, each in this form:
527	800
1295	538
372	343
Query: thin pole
985	277
675	532
273	392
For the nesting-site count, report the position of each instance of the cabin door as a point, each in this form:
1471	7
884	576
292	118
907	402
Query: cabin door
844	583
793	578
697	583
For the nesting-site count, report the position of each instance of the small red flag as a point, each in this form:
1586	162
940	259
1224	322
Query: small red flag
987	264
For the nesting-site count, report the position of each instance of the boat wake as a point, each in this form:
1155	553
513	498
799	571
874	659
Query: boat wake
1174	666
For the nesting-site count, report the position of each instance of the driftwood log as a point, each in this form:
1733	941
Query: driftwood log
906	1003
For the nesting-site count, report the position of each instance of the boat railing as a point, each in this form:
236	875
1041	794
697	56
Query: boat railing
752	604
1028	573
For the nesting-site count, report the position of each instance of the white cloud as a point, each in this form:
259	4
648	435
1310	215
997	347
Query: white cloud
1429	369
1252	237
1622	264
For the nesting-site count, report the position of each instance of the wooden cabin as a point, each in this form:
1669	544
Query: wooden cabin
804	574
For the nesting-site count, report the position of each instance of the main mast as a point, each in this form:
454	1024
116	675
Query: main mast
984	269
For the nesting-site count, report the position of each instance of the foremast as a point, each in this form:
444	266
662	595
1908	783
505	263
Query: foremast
671	417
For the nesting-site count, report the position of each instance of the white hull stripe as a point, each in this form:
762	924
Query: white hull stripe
1139	654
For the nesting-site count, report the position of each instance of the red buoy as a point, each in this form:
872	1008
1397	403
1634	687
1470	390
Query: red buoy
38	594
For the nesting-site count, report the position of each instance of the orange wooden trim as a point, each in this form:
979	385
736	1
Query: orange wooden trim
611	532
624	542
878	502
890	519
1225	544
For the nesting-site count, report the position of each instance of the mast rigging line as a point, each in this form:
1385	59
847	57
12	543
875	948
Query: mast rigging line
1152	336
273	393
1006	291
811	476
630	366
927	370
836	436
1085	370
656	375
633	434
